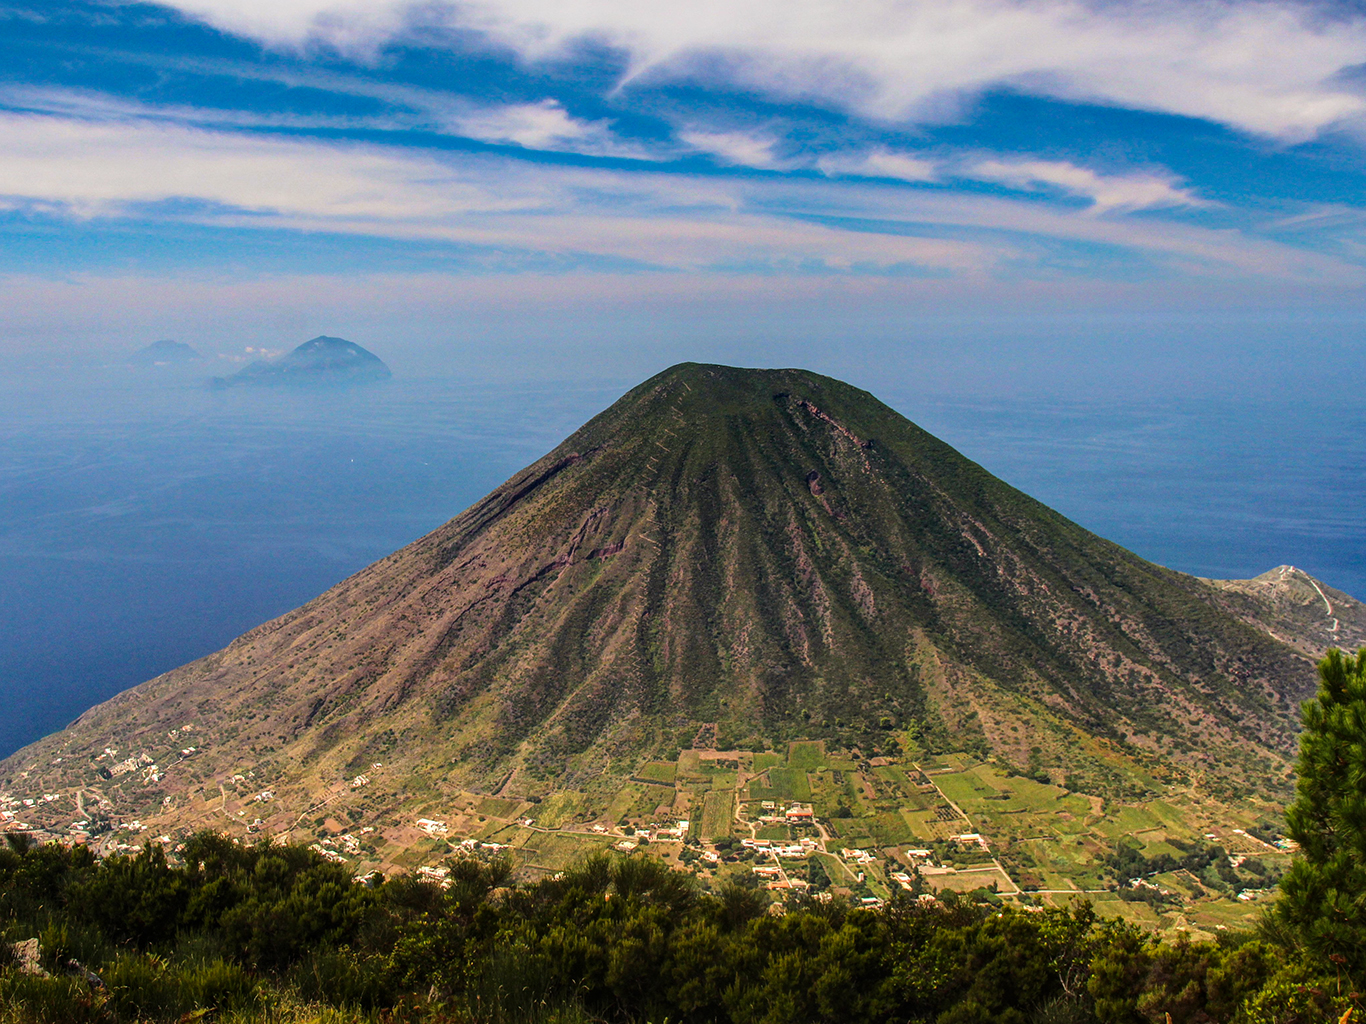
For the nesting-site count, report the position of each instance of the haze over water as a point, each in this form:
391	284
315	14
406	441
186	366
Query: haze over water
148	522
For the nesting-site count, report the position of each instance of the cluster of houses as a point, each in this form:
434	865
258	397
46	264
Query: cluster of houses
439	876
328	855
124	767
10	821
674	833
776	880
151	772
801	848
327	848
1143	883
470	845
363	779
797	814
332	849
12	807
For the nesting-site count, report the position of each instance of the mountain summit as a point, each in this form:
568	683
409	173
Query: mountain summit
724	558
321	361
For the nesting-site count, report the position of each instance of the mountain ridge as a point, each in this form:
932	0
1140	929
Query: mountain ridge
765	554
1298	609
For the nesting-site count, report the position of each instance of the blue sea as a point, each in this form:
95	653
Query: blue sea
146	521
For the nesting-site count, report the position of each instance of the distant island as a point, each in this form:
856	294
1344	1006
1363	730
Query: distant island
323	361
164	353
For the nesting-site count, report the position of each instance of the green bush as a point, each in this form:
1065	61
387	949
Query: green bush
1298	994
220	985
341	977
1323	895
63	941
32	999
142	988
275	934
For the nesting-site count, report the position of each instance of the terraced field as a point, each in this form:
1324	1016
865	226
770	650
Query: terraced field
1180	859
807	755
717	813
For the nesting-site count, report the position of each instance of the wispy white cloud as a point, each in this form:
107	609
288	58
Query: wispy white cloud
116	169
511	209
102	168
879	163
544	126
1107	192
738	149
1201	252
541	126
348	24
86	105
1271	67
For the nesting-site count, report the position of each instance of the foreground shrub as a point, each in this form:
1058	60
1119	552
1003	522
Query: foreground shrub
33	999
145	987
1300	994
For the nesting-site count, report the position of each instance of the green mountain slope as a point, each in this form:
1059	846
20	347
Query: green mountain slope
723	558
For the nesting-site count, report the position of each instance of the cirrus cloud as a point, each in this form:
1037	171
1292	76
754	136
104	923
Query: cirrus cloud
879	163
738	149
134	170
1268	67
1107	192
510	212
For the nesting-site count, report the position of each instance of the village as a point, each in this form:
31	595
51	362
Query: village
805	821
779	866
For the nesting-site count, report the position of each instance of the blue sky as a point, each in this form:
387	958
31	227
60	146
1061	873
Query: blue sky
251	171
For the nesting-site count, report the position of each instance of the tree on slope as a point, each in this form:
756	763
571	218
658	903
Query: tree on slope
1323	896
